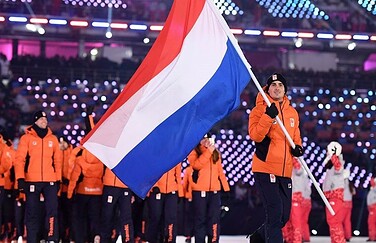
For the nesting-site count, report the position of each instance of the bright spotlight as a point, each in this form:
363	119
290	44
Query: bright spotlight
108	34
351	46
94	52
356	232
146	40
314	232
298	42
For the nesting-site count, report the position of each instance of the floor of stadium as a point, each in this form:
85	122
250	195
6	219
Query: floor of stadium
243	239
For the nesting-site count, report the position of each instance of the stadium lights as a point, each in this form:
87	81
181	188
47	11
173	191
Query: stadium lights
298	42
2	19
252	32
119	26
237	31
79	23
289	34
270	33
138	27
58	21
109	34
351	46
343	37
38	20
156	27
17	19
360	37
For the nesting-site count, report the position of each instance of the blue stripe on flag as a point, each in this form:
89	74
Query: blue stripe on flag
174	139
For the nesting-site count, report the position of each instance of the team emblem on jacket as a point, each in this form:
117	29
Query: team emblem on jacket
50	144
292	122
34	143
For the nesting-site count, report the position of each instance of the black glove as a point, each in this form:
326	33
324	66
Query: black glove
272	111
58	183
156	190
21	184
195	176
297	151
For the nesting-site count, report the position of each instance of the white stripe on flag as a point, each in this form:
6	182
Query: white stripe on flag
178	83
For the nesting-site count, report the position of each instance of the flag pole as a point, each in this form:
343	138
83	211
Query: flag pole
249	68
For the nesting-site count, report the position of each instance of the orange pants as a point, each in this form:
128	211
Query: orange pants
306	209
347	207
372	222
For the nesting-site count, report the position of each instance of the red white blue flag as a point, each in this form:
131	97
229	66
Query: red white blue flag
191	78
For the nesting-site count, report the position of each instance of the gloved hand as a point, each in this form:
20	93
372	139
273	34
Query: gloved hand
21	184
272	111
195	176
297	151
156	190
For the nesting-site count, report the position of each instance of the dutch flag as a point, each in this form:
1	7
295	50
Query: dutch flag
191	78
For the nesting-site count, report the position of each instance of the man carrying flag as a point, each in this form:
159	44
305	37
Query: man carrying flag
191	78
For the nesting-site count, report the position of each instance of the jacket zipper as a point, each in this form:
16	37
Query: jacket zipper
41	164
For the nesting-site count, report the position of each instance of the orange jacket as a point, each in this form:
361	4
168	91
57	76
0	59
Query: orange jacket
90	169
171	181
210	174
37	159
9	175
110	179
5	161
67	167
187	182
273	151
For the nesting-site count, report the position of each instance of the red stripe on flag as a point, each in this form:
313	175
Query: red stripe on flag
182	17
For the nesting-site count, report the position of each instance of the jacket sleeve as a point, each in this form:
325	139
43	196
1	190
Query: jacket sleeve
222	176
73	179
6	160
58	161
19	163
198	162
259	123
179	180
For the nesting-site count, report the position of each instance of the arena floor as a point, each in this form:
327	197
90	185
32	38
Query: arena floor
242	239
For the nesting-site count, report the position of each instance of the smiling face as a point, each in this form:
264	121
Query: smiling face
277	90
42	122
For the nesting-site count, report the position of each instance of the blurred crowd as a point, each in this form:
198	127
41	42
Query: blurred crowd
343	17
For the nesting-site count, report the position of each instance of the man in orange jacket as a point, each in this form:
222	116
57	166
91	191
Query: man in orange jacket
38	171
272	161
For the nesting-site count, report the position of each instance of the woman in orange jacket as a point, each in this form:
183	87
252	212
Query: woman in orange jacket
272	160
86	183
207	178
65	206
162	203
116	200
5	165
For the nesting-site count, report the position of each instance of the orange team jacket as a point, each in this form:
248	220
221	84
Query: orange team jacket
171	181
210	175
187	182
273	151
37	159
9	175
91	169
110	179
5	161
67	167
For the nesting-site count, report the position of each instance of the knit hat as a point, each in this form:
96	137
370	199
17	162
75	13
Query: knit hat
38	115
276	77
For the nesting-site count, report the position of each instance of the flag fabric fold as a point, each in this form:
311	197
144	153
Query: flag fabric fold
191	78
